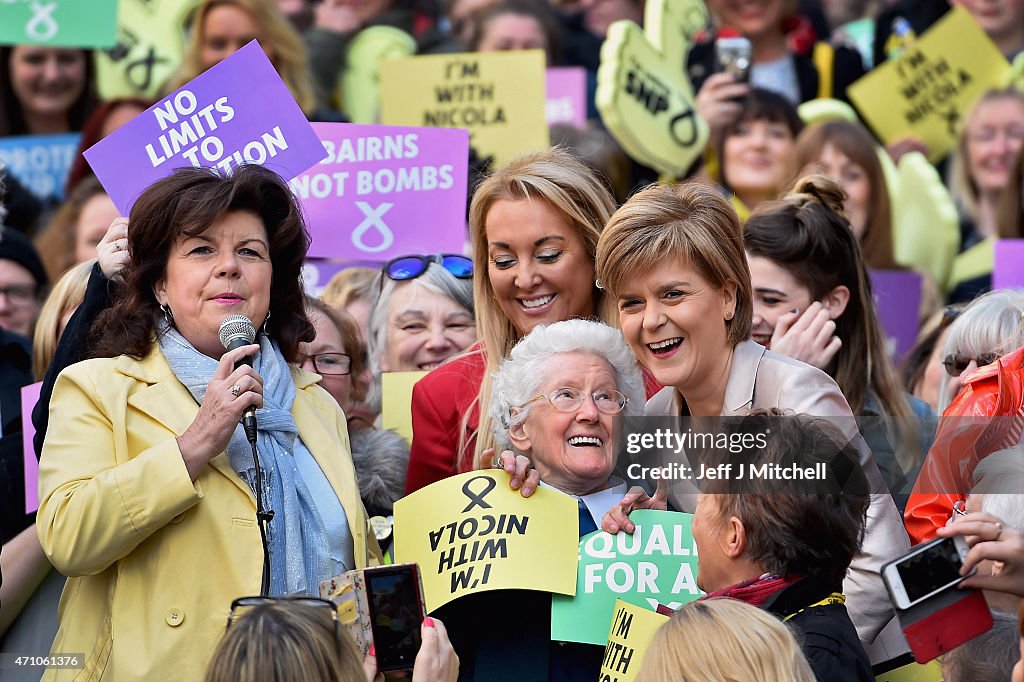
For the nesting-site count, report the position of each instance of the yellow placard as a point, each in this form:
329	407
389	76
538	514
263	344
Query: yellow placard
396	401
926	91
632	630
913	672
149	47
644	96
498	96
472	533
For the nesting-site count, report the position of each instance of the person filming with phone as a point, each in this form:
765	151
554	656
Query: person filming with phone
149	485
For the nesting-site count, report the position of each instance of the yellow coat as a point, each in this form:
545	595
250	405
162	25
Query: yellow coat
154	560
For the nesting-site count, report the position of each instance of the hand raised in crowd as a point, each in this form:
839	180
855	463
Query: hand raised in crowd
524	479
336	16
112	250
905	145
228	395
990	538
809	337
617	518
718	100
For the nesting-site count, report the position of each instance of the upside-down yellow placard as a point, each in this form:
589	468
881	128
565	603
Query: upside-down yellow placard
643	93
498	96
472	533
632	631
930	87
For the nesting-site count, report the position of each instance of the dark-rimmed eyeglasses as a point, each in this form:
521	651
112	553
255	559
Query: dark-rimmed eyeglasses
410	267
330	364
243	604
19	294
956	364
568	399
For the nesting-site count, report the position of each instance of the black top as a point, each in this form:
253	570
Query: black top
15	372
828	638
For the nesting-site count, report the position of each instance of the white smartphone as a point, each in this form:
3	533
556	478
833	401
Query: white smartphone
925	571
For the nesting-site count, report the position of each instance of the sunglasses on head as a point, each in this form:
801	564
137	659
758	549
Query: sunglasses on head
956	364
410	267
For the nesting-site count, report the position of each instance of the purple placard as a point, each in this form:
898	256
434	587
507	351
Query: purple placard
898	297
386	191
1008	271
29	398
239	111
317	272
567	96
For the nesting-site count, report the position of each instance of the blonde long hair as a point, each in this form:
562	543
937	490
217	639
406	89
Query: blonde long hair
289	52
749	644
575	191
66	296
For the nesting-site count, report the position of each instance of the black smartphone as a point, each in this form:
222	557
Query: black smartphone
395	597
734	55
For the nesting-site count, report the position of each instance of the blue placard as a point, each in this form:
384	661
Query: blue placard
40	162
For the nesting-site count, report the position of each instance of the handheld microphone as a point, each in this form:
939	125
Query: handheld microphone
237	331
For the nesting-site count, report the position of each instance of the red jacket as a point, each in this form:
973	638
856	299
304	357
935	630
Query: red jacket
439	401
969	432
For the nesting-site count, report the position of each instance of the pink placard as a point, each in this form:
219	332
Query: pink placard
1008	270
29	398
567	96
386	191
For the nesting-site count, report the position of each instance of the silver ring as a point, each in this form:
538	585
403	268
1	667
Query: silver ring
117	245
497	462
235	390
999	531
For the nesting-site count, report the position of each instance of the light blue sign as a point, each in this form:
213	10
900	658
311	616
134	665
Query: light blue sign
40	162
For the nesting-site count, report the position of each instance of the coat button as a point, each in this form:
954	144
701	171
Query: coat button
174	617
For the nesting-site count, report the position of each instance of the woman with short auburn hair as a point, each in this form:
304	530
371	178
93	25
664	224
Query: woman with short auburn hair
748	645
672	257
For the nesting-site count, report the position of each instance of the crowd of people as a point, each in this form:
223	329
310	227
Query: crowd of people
182	486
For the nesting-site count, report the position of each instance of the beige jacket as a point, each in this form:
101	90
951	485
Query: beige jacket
759	378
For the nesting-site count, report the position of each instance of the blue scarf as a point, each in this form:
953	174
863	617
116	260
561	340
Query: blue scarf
299	556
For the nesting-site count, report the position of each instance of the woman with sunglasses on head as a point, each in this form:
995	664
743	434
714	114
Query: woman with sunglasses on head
981	399
535	224
813	302
273	640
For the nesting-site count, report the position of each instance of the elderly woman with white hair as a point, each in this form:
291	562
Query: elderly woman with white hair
555	401
982	403
423	315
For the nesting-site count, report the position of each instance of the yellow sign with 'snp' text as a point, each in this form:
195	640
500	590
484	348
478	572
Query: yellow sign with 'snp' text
472	533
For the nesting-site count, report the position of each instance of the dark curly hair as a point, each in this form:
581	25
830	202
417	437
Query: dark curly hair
185	204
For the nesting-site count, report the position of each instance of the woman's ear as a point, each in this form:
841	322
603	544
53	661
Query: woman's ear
519	437
160	292
835	301
729	293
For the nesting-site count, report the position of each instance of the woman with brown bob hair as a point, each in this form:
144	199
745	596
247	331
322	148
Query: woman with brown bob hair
846	152
672	258
148	478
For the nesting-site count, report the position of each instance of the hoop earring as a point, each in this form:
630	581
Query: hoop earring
166	310
265	329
